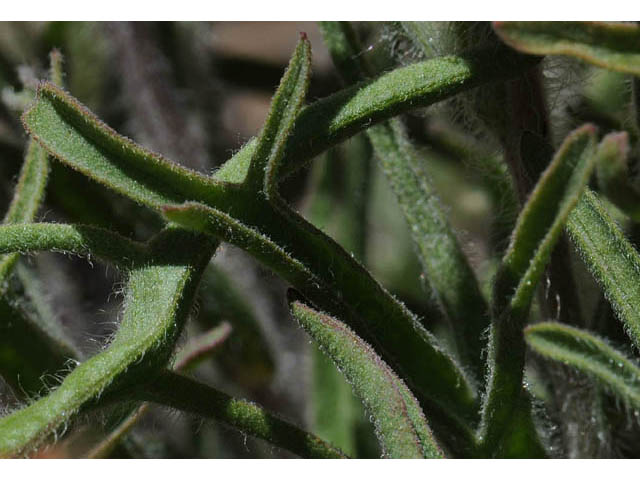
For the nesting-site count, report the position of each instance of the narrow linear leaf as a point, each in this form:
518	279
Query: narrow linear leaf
400	424
71	133
443	261
377	317
538	228
445	265
75	136
609	45
185	394
285	106
195	351
286	243
588	354
158	300
543	217
78	239
611	259
27	197
333	119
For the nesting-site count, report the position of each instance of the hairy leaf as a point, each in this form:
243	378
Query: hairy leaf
185	394
195	351
400	424
333	119
612	260
158	299
78	239
312	262
75	136
537	230
609	45
286	103
27	197
444	263
589	354
402	340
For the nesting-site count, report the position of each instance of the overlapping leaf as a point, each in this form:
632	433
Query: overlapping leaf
400	424
588	354
538	228
608	45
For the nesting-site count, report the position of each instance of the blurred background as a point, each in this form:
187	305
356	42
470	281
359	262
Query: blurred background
196	92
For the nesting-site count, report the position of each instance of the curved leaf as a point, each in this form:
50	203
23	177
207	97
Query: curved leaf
609	45
180	392
286	103
79	239
158	300
538	228
610	258
27	197
400	424
445	265
588	354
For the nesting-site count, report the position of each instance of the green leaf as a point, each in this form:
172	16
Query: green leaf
538	228
446	267
79	239
311	261
611	259
444	263
285	106
334	281
27	197
400	424
185	394
333	119
158	300
541	221
608	45
75	136
588	354
195	351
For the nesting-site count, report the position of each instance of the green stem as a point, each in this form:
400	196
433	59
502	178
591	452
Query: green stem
78	239
180	392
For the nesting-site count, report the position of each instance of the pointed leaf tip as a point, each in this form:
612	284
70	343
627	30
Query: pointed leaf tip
400	424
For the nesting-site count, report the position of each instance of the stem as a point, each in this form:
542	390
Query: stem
180	392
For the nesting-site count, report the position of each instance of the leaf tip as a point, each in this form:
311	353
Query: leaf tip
617	140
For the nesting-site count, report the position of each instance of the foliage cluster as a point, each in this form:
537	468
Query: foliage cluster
522	349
